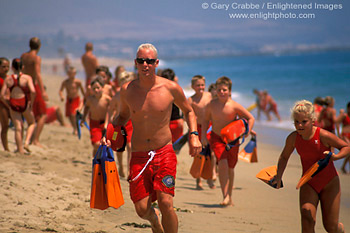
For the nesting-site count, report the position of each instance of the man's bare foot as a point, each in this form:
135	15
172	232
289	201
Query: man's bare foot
211	184
156	222
227	201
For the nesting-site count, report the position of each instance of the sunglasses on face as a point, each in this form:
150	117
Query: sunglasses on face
147	60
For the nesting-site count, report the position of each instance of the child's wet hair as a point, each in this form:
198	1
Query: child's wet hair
196	78
304	106
224	81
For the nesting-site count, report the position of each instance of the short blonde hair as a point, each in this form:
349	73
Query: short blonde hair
148	46
304	106
196	78
125	77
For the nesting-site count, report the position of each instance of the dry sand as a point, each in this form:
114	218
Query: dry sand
49	191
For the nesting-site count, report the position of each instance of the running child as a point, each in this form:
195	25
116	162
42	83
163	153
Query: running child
220	112
199	101
312	143
72	86
97	105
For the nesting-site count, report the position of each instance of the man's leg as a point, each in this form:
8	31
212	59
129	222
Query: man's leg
38	130
169	217
145	211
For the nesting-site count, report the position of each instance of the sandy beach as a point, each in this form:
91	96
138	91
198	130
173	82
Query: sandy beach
49	191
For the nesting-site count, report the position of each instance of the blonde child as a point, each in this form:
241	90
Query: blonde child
312	143
199	101
97	105
72	87
220	112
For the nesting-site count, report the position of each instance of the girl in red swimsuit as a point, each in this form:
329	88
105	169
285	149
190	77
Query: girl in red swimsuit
344	118
312	143
22	92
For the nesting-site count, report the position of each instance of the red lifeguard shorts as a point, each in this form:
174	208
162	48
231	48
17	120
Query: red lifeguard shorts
39	105
176	129
71	106
218	146
96	128
159	174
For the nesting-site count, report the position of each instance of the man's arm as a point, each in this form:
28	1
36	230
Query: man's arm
190	117
37	68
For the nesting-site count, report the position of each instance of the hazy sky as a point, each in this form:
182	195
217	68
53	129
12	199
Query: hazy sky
165	19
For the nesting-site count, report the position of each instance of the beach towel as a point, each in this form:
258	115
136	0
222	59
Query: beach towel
249	153
105	186
267	175
232	132
314	170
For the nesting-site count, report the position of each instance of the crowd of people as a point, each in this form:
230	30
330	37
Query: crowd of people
153	108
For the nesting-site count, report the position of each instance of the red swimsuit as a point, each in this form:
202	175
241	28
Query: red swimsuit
19	105
310	152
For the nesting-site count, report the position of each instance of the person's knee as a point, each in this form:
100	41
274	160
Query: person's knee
165	204
142	211
307	217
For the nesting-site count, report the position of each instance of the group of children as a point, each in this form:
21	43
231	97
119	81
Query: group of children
216	108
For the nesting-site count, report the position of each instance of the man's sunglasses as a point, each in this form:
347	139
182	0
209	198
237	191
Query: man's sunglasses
147	60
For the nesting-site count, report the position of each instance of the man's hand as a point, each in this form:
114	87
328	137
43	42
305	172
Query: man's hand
195	145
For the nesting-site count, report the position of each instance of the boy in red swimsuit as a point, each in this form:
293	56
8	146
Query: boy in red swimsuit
312	143
221	111
199	101
72	87
97	105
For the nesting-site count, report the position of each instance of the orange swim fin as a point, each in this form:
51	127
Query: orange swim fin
249	153
112	183
105	187
98	197
197	165
313	170
267	175
207	172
